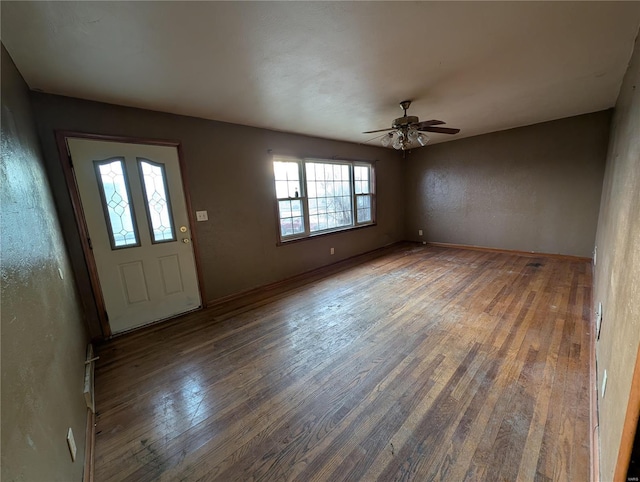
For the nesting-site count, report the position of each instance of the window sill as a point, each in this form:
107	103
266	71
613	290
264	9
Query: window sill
324	233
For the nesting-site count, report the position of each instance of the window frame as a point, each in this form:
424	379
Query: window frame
304	197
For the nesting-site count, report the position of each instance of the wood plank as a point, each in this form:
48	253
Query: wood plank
426	363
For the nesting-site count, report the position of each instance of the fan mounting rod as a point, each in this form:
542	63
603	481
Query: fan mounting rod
404	105
405	120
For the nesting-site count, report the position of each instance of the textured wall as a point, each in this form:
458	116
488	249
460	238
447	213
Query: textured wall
43	335
535	188
617	270
231	176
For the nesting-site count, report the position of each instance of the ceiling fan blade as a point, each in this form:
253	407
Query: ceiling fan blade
379	130
440	130
374	138
428	123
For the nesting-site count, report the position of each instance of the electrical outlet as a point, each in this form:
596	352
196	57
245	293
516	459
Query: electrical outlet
604	383
72	445
595	255
419	232
332	251
202	216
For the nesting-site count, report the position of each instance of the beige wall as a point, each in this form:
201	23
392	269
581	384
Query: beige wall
617	270
43	334
230	175
535	188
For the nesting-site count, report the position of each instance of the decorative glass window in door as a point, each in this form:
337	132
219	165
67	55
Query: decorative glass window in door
158	205
116	203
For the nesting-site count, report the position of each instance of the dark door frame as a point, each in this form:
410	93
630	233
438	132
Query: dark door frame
630	425
83	233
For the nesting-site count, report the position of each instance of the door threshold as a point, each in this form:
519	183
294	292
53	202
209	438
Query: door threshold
152	323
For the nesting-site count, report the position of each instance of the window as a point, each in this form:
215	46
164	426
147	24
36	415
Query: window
317	196
287	176
362	176
116	204
158	206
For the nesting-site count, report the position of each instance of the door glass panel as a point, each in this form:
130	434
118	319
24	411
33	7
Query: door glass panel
116	204
158	206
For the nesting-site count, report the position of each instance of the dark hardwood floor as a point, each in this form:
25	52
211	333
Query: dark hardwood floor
424	364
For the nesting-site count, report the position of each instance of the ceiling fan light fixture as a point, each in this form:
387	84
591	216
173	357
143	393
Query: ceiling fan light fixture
398	140
407	132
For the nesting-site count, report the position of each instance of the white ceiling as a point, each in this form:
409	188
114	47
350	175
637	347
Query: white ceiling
330	69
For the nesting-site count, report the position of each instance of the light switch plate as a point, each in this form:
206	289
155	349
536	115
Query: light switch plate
202	216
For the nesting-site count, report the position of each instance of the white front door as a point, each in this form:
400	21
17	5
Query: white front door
136	215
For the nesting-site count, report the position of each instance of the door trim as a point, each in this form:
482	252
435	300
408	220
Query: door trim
74	195
630	425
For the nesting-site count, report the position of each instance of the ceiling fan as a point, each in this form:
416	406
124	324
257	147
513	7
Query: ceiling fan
407	132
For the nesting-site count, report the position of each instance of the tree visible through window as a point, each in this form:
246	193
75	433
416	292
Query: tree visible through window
316	196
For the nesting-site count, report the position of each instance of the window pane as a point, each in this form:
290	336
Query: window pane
154	183
291	217
287	176
329	196
363	203
291	225
281	189
286	227
364	215
298	225
115	202
296	208
314	223
285	208
313	206
362	179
